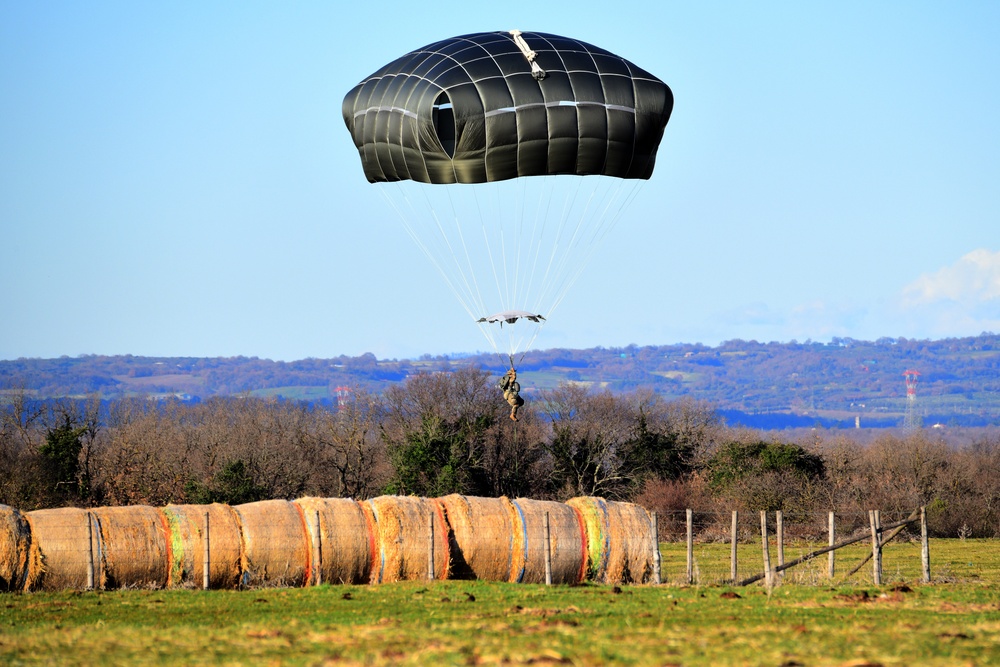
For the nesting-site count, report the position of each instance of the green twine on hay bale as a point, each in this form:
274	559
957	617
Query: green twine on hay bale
620	542
187	546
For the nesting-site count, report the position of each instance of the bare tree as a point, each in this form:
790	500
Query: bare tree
353	462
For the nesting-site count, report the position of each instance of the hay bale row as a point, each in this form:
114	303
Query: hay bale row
273	543
619	543
20	561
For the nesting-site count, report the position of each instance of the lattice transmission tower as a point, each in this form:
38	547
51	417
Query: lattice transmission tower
343	396
911	418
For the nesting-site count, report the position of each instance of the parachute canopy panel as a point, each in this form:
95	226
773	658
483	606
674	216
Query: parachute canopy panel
475	109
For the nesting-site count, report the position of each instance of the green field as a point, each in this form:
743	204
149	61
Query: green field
954	621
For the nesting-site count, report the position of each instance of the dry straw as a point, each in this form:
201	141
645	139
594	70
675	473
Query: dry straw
345	540
20	562
61	536
402	538
275	544
187	545
619	540
481	536
569	549
134	546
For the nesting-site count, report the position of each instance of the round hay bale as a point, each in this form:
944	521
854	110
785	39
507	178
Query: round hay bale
61	536
275	544
345	539
620	540
135	546
481	536
402	538
569	549
20	562
187	546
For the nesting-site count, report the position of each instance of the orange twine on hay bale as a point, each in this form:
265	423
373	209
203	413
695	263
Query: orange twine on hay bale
275	544
134	546
345	539
619	540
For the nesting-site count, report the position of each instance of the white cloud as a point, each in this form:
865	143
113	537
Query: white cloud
962	299
973	279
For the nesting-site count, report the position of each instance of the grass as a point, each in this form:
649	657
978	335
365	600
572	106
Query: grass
956	622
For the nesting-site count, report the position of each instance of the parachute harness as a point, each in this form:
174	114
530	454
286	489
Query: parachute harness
536	71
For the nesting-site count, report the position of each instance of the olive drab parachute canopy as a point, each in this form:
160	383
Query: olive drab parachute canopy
484	110
471	110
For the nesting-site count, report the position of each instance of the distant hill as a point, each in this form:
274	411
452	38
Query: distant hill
765	385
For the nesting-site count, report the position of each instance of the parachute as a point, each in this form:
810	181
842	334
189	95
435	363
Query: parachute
508	156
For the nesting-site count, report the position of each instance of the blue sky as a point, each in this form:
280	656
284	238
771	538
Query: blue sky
176	179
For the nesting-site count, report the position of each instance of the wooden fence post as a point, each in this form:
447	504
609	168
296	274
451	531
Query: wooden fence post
732	552
779	527
690	547
925	553
548	552
430	547
655	528
90	553
206	564
768	574
878	529
318	550
830	557
876	570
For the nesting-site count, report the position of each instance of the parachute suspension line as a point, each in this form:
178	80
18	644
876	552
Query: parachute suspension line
469	271
609	223
519	237
551	267
488	245
464	300
423	247
501	217
468	294
538	233
599	233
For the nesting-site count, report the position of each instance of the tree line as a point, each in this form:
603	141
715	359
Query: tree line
449	432
769	383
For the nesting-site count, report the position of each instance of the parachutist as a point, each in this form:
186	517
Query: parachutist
511	389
